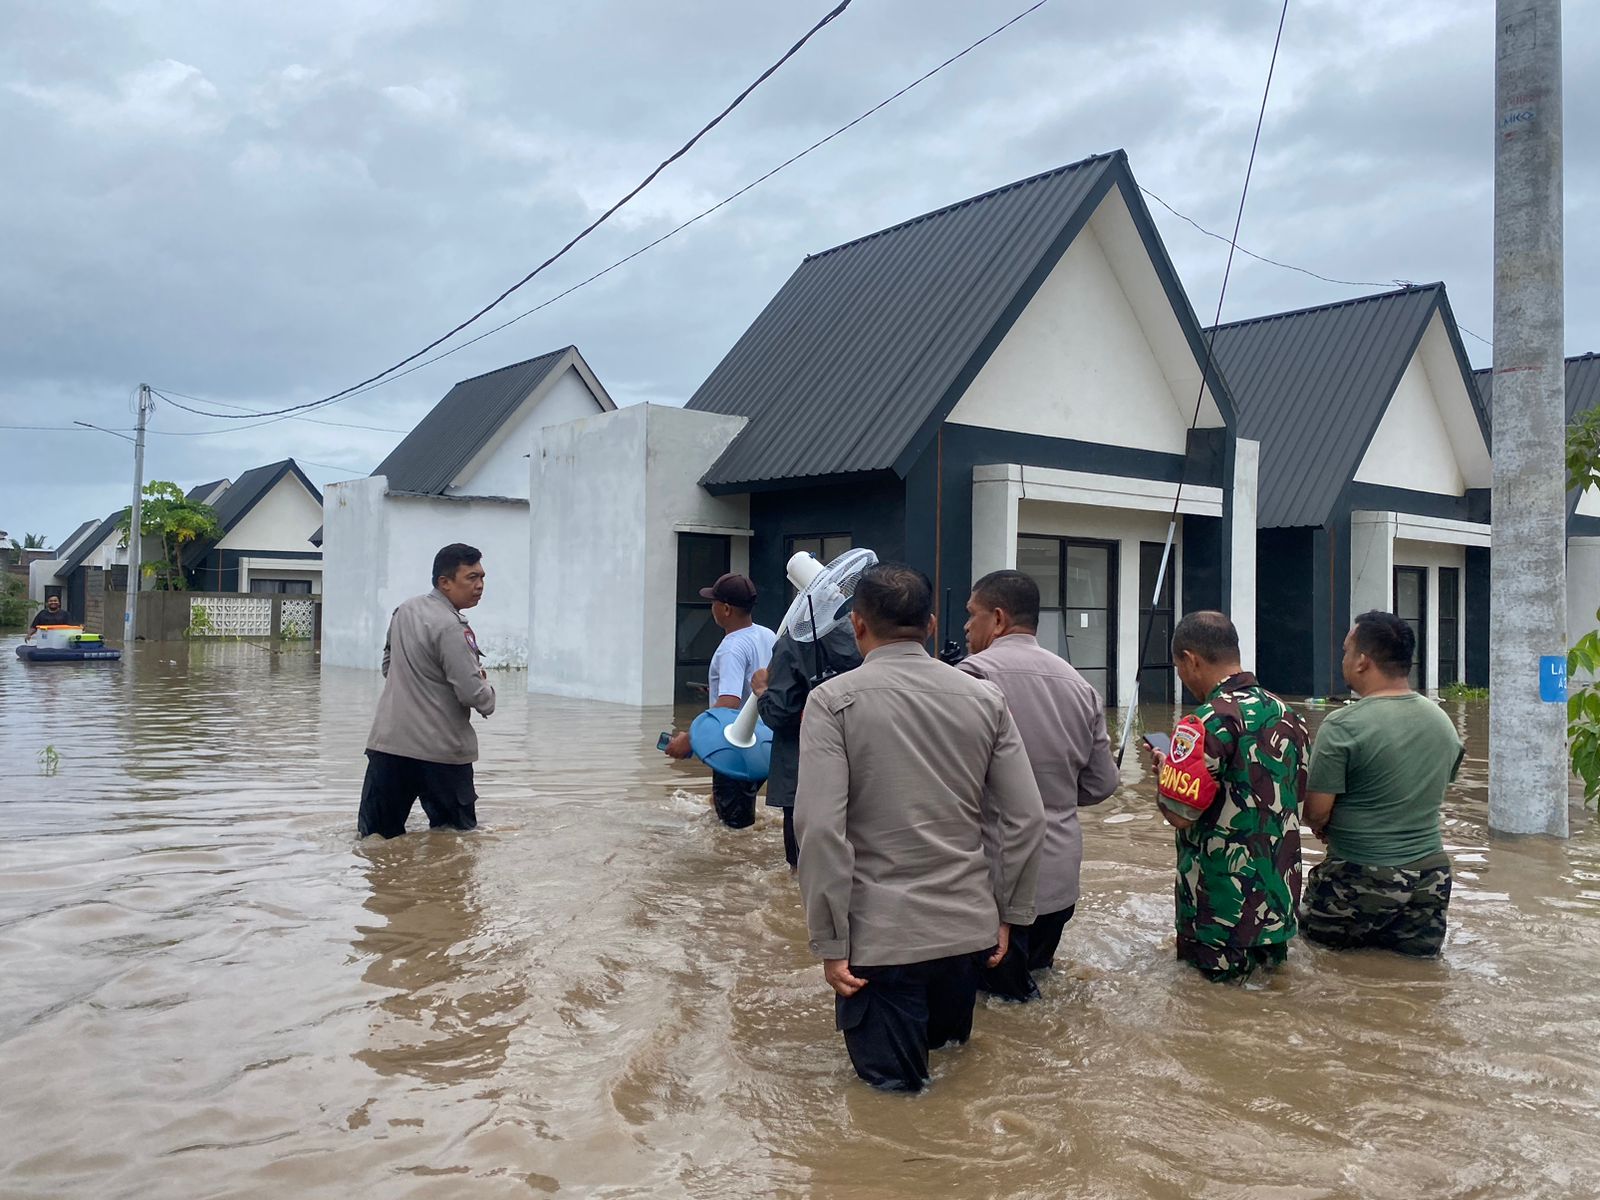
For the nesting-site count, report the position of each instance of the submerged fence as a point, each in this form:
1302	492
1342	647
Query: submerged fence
246	615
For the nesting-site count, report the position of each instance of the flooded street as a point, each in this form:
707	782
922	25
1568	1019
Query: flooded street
208	988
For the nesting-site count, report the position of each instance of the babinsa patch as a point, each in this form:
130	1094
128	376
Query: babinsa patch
1184	777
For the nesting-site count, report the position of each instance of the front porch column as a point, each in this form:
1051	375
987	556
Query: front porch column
996	493
1242	536
1371	562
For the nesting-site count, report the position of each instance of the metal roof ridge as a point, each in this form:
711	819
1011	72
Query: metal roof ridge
514	366
1410	289
1105	156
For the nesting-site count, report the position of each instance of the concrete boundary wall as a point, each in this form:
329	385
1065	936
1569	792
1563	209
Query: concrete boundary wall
610	495
378	549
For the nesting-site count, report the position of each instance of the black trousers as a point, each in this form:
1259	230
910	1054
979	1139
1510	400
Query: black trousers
1033	948
735	800
791	842
904	1011
393	782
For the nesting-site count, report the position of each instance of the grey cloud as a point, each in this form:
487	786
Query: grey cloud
264	203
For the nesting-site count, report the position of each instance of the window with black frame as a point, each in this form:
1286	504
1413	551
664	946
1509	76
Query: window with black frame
1155	625
280	587
824	547
702	558
1411	606
1449	625
1077	580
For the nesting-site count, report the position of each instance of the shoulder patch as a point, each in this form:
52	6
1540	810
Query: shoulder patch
1185	778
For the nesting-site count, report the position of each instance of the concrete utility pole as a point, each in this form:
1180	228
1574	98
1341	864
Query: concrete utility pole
130	611
1528	770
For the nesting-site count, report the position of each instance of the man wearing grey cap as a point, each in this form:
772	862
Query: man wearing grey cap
745	649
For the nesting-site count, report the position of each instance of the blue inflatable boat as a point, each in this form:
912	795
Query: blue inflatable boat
66	643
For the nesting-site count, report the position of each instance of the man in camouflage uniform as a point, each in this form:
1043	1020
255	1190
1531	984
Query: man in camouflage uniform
1232	786
1378	778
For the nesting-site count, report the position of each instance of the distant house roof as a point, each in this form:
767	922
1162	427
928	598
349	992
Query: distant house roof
1583	394
316	538
207	493
69	543
244	494
1583	385
431	456
866	349
92	542
1312	385
255	483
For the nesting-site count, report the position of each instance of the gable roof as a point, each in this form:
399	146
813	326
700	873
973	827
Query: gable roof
1312	385
207	493
1583	394
243	495
1583	385
95	539
431	456
252	486
69	543
861	355
316	538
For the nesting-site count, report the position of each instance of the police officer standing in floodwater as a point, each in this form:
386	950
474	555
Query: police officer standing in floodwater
422	742
920	830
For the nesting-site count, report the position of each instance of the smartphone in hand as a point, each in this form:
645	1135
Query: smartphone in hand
1161	743
663	742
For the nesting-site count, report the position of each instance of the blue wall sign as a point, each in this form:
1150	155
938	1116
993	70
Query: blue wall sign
1553	678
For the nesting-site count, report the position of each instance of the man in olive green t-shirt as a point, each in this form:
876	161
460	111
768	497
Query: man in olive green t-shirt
1379	770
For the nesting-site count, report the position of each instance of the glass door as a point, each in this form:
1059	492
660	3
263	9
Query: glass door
1411	606
1077	580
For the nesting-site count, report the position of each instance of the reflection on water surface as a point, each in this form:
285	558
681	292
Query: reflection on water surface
211	989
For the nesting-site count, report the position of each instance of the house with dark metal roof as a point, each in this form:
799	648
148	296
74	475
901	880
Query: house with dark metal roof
461	475
267	517
1007	382
208	493
53	576
1583	510
1374	484
1013	380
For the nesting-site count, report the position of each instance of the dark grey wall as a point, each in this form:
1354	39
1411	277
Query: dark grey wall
871	510
1284	611
1476	581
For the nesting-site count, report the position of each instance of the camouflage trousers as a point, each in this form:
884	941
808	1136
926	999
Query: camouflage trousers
1230	964
1348	906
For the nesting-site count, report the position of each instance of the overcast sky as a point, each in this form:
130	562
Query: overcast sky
261	204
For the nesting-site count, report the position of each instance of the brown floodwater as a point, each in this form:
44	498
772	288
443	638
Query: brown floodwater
209	988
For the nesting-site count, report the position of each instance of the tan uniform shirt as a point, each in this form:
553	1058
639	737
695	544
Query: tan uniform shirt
431	684
902	764
1063	725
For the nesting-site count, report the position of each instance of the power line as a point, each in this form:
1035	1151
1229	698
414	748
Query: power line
63	428
257	412
677	229
1207	373
830	16
329	466
1291	266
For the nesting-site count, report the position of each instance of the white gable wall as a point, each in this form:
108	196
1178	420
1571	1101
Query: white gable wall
281	520
1428	439
1098	355
501	467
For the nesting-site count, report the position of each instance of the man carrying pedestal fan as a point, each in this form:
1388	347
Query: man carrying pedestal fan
745	649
